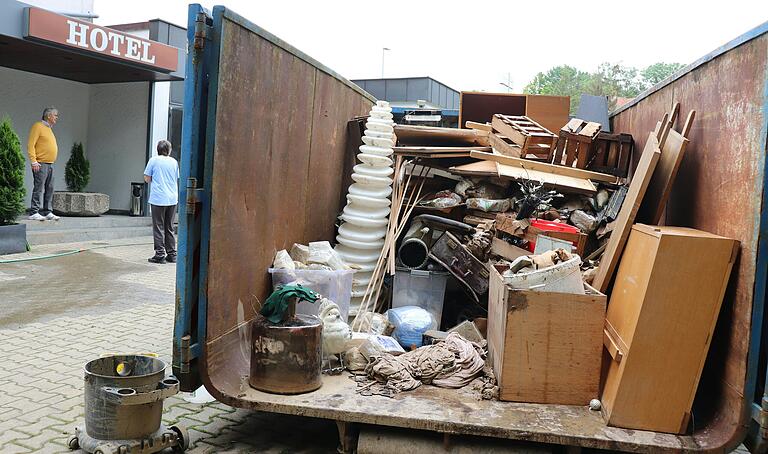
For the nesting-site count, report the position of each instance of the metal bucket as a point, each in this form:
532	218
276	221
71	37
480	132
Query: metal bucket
286	359
124	396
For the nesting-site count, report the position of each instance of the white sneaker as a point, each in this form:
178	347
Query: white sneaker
52	217
37	217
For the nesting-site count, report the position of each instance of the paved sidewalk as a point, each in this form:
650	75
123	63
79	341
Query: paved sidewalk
57	313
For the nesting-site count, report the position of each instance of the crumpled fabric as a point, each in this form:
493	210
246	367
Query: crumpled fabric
453	363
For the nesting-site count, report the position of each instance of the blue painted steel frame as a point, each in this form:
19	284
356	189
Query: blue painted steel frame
196	164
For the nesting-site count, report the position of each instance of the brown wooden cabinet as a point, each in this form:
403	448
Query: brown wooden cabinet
549	111
659	323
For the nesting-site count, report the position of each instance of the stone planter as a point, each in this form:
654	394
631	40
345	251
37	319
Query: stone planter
80	203
13	238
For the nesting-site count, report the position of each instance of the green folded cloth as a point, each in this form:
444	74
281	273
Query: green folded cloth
276	305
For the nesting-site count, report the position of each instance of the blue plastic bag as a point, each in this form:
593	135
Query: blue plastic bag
410	323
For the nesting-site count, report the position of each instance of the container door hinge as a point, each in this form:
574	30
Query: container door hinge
202	24
193	196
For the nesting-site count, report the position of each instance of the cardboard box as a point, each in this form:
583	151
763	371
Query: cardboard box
663	310
545	347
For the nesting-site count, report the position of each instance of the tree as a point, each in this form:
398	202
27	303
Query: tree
78	169
613	80
561	80
657	72
11	174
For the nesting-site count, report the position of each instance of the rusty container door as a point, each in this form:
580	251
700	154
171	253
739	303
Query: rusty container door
264	144
721	188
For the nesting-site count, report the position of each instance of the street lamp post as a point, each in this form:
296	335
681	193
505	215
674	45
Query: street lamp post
383	53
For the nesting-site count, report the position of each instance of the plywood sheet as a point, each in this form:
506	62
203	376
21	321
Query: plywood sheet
660	186
623	224
479	168
560	182
549	111
480	106
544	167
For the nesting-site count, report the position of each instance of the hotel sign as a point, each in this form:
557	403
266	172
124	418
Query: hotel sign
68	32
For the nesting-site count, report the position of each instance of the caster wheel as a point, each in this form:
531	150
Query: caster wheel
183	436
73	442
98	451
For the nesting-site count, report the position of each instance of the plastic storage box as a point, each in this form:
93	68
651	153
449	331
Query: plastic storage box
425	289
334	285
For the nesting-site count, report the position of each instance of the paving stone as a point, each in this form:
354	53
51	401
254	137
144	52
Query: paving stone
12	448
36	442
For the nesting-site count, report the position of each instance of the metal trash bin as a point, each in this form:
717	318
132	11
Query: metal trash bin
138	198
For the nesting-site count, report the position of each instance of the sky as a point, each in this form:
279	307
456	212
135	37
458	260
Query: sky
478	45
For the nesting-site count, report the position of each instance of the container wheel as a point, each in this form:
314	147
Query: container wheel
73	442
183	435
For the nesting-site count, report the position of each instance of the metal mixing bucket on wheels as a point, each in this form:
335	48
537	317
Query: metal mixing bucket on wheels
124	405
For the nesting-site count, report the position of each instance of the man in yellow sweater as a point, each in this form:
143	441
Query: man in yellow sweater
42	150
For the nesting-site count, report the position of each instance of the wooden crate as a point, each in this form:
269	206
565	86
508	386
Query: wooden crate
611	154
545	347
531	137
575	143
659	324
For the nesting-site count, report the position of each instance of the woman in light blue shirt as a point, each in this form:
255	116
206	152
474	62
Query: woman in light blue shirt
163	173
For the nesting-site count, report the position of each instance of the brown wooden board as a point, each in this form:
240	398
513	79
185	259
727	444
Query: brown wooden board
502	145
618	239
564	183
549	111
544	167
481	106
479	168
672	153
418	151
545	347
434	136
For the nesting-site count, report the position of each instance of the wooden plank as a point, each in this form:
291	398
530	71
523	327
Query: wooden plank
479	168
637	188
479	126
502	146
418	150
672	153
544	167
434	136
563	183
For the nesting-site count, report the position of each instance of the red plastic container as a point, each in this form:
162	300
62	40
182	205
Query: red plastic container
551	226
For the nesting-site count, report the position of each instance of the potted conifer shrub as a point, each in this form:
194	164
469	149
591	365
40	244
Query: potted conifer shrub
75	202
13	236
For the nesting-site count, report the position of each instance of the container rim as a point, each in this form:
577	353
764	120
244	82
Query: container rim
94	374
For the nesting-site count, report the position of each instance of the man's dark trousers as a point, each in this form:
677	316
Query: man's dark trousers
162	230
43	189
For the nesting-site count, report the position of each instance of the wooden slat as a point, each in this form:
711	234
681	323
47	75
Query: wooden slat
479	126
502	146
544	167
479	168
560	182
434	136
416	151
637	188
652	207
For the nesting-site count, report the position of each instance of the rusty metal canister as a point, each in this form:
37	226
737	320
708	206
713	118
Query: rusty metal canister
124	396
286	358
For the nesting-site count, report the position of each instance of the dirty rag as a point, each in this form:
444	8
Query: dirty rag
453	363
276	305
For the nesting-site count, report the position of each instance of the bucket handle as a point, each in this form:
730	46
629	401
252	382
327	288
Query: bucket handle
166	387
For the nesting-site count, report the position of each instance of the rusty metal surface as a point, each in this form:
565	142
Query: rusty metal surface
718	189
286	359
